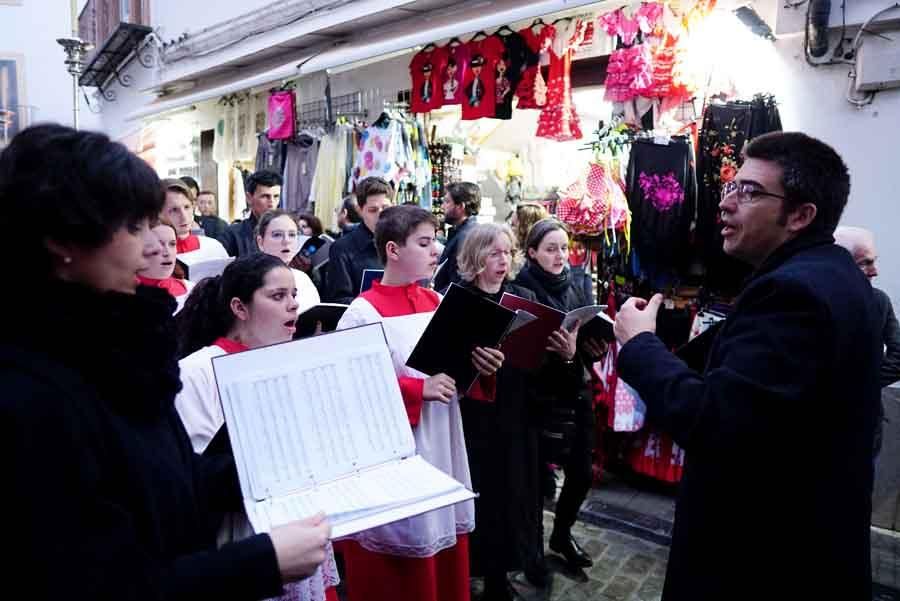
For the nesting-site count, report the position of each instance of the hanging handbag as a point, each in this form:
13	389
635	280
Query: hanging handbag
282	114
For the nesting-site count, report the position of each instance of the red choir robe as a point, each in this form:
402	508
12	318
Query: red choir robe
423	558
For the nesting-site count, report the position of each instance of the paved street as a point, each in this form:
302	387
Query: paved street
625	568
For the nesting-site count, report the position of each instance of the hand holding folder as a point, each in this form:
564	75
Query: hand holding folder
463	322
526	347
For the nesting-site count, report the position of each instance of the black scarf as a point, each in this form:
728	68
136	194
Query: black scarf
550	289
123	345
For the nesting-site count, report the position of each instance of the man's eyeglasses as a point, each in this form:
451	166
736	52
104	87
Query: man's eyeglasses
746	193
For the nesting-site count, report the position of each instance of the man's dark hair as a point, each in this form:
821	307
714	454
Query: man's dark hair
466	194
397	223
210	192
372	186
84	186
812	172
262	178
191	183
349	205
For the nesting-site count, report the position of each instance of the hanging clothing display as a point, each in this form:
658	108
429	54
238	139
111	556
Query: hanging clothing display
453	77
330	178
726	130
661	188
559	120
517	57
479	91
301	156
269	154
426	70
630	70
532	89
378	152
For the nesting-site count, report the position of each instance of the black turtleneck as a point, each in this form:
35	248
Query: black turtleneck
106	498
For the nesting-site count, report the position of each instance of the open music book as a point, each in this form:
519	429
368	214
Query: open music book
319	425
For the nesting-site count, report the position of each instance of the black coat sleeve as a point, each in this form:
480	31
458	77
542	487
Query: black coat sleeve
71	539
341	287
229	241
449	272
890	364
771	354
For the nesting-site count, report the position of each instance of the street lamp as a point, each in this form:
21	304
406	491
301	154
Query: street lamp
76	49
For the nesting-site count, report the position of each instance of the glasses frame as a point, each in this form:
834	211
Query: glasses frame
746	197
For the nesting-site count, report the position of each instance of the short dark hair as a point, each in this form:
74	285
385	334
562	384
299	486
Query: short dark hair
191	183
84	186
540	230
349	205
210	192
397	223
268	217
313	222
372	186
207	313
812	171
262	178
466	194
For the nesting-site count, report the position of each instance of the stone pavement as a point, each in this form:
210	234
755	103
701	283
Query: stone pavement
626	568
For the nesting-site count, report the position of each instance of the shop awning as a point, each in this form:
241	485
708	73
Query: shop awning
420	30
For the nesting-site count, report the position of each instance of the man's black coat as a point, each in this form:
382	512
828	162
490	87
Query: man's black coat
775	502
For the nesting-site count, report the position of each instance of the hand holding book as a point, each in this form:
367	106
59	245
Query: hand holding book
300	546
564	342
439	387
487	361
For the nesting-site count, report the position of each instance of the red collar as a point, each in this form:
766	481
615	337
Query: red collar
173	286
230	346
188	244
394	301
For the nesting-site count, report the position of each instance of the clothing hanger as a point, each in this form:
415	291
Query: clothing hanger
477	34
383	119
429	47
454	41
502	29
562	19
538	21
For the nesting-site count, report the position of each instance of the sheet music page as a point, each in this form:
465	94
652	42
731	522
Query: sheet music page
582	315
310	411
205	268
368	493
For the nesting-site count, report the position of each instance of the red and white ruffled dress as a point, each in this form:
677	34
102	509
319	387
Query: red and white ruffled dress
559	120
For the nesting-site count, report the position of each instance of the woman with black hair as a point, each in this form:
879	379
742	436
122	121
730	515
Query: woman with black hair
547	274
251	304
106	498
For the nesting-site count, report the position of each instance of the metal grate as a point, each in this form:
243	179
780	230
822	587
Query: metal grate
345	104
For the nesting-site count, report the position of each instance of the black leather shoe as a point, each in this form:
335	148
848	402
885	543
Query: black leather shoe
571	550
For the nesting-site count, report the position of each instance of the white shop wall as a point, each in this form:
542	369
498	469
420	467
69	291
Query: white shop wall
812	101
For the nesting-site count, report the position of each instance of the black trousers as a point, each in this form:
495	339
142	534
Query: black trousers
578	469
